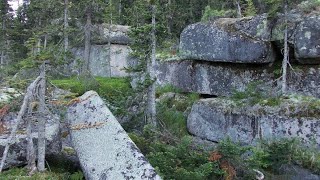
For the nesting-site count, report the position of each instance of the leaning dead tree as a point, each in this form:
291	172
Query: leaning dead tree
35	94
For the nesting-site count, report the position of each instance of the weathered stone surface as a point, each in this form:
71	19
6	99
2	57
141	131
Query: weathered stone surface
258	27
297	173
206	78
116	34
99	65
307	40
222	79
217	119
104	149
18	151
221	42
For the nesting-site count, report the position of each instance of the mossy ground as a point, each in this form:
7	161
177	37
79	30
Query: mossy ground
114	90
56	174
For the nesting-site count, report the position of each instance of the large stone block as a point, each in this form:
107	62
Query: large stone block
307	41
220	41
104	149
217	119
222	79
116	34
99	56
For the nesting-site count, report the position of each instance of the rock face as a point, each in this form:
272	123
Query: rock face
220	42
249	39
293	172
18	151
223	79
217	119
116	34
99	65
104	149
307	41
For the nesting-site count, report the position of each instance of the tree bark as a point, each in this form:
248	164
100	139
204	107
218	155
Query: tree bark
42	121
150	67
87	43
4	42
109	41
65	28
19	118
45	41
120	11
238	9
286	51
170	18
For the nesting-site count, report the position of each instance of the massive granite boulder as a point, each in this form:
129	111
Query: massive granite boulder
250	39
307	40
115	34
221	41
104	149
99	60
222	79
218	118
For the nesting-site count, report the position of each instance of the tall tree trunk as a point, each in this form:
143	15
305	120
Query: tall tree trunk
286	51
150	67
120	11
42	121
39	39
170	18
4	42
65	28
39	45
238	8
87	44
109	41
45	41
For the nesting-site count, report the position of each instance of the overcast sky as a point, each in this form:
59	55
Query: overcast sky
14	4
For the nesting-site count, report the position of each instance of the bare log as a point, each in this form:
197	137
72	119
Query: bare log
42	121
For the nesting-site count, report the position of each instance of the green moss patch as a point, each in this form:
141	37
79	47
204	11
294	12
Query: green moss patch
114	90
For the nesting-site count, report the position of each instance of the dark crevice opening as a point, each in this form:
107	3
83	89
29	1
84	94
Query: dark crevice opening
206	96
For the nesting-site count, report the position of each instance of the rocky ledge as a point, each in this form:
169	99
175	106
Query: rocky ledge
294	117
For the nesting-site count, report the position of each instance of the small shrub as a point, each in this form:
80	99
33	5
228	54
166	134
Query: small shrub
256	93
77	176
183	162
210	13
114	90
167	88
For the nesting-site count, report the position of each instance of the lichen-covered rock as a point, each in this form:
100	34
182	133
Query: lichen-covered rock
294	172
104	149
116	34
223	79
307	40
18	151
99	65
216	119
258	27
220	41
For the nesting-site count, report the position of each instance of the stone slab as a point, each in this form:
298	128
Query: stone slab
104	149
